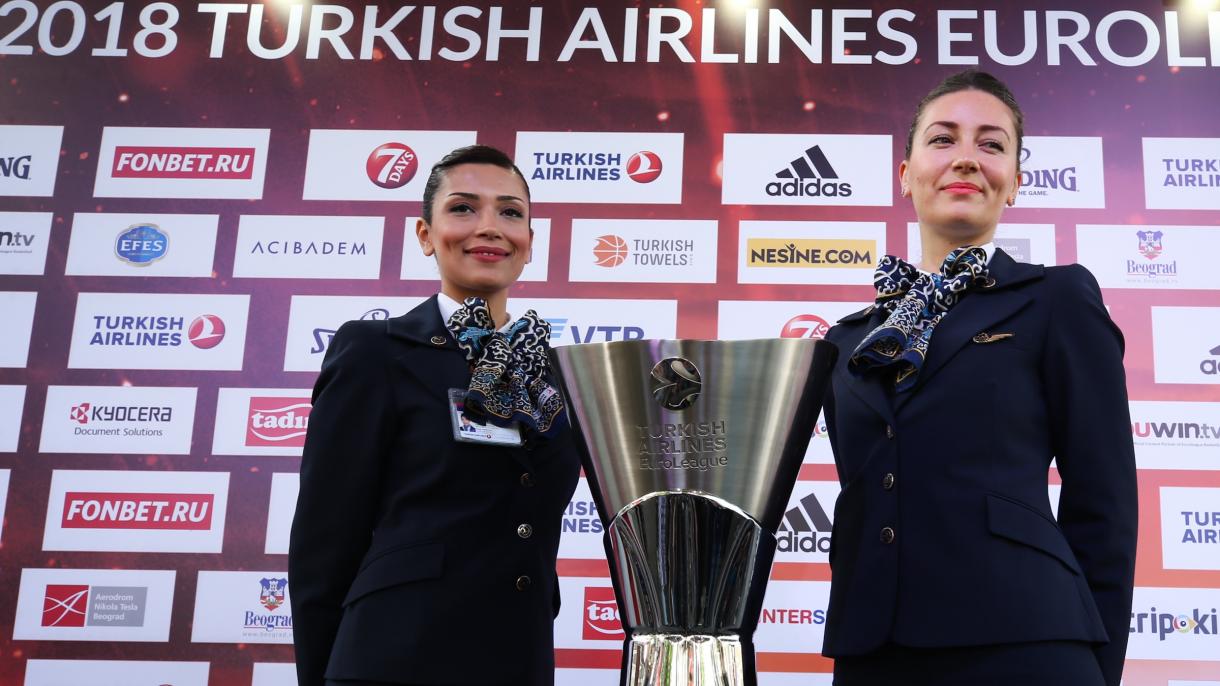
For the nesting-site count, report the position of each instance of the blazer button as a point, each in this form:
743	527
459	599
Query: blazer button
887	535
523	582
525	531
527	480
889	431
887	481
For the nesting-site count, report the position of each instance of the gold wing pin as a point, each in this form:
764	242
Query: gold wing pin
984	337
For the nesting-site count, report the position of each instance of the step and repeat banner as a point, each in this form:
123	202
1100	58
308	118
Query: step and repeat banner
194	196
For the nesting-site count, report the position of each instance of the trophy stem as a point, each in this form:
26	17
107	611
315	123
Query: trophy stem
685	660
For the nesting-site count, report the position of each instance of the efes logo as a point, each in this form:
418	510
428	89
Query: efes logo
592	333
644	167
805	326
322	337
271	593
141	244
609	251
818	253
809	175
602	621
676	383
1150	247
805	529
277	421
392	165
1163	624
1043	181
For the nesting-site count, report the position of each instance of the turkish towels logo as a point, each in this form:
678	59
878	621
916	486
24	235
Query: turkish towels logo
277	421
601	615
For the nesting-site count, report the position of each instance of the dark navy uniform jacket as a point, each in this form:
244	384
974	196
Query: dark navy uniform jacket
414	558
943	531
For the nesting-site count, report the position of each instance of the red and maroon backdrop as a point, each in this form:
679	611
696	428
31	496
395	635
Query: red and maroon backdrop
194	196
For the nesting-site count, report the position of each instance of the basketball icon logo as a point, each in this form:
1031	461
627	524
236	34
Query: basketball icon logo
610	251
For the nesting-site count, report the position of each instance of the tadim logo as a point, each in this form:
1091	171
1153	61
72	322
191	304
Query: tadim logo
277	421
80	413
805	326
65	605
805	529
810	175
610	251
271	593
1150	243
602	621
644	167
392	165
206	332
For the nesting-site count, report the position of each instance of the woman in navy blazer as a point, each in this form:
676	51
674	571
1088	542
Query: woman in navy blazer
948	565
416	558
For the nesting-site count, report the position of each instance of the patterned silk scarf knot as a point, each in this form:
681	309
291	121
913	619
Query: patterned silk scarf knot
507	383
915	303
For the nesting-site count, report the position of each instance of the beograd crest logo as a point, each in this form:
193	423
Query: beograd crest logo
676	383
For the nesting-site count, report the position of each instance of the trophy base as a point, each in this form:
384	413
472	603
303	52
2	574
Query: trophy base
685	660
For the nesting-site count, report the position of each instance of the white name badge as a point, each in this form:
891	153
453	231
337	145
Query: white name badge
466	430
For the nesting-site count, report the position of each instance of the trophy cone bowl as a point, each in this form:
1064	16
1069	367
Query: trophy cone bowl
691	449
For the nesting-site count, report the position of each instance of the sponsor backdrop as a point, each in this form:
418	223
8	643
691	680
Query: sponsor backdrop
194	196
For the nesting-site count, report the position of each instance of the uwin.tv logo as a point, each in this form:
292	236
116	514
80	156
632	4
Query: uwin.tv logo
805	529
810	175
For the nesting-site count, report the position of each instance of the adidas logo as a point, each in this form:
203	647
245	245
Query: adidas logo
805	529
810	175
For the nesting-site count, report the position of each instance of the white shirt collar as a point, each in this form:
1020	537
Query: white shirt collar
448	306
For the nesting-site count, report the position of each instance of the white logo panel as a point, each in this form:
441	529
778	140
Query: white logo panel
602	167
374	164
284	489
113	244
601	321
314	319
274	674
1182	173
793	617
94	605
746	319
1176	435
576	676
132	420
581	535
419	267
1061	171
159	331
24	237
5	475
1129	256
261	421
130	511
643	250
1174	624
589	617
1190	528
15	346
300	247
1030	243
115	673
166	162
807	169
12	404
1186	344
804	532
29	160
825	253
242	607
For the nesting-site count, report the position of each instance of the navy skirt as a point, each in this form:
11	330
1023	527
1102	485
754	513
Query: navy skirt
1045	663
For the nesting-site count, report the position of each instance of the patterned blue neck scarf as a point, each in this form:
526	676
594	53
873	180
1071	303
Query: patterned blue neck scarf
507	383
915	303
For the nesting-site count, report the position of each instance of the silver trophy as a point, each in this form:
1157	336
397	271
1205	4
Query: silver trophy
691	449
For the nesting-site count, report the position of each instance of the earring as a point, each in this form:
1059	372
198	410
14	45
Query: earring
1011	201
905	191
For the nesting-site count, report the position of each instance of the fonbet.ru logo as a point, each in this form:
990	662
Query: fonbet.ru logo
150	511
602	621
810	175
277	421
159	162
392	165
805	326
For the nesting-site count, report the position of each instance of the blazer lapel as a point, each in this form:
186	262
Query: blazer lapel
432	355
869	387
979	310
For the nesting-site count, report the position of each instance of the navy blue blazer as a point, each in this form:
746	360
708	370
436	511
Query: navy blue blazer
943	531
414	558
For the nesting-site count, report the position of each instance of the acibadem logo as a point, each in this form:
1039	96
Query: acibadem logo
810	175
828	253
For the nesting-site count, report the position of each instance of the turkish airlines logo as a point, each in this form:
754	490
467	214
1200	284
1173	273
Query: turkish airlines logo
65	605
206	332
157	511
602	621
805	326
392	165
278	421
644	167
149	162
610	251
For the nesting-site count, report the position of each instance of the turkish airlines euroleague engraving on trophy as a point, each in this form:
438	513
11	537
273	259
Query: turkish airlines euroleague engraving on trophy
602	621
119	673
93	605
369	164
29	160
168	162
392	165
602	167
806	169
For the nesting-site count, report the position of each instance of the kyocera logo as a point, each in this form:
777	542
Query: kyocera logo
602	621
177	162
1198	622
86	412
277	421
562	331
644	167
805	326
392	165
174	511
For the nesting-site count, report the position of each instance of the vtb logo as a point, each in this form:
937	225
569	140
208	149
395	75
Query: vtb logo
392	165
676	383
805	326
602	622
